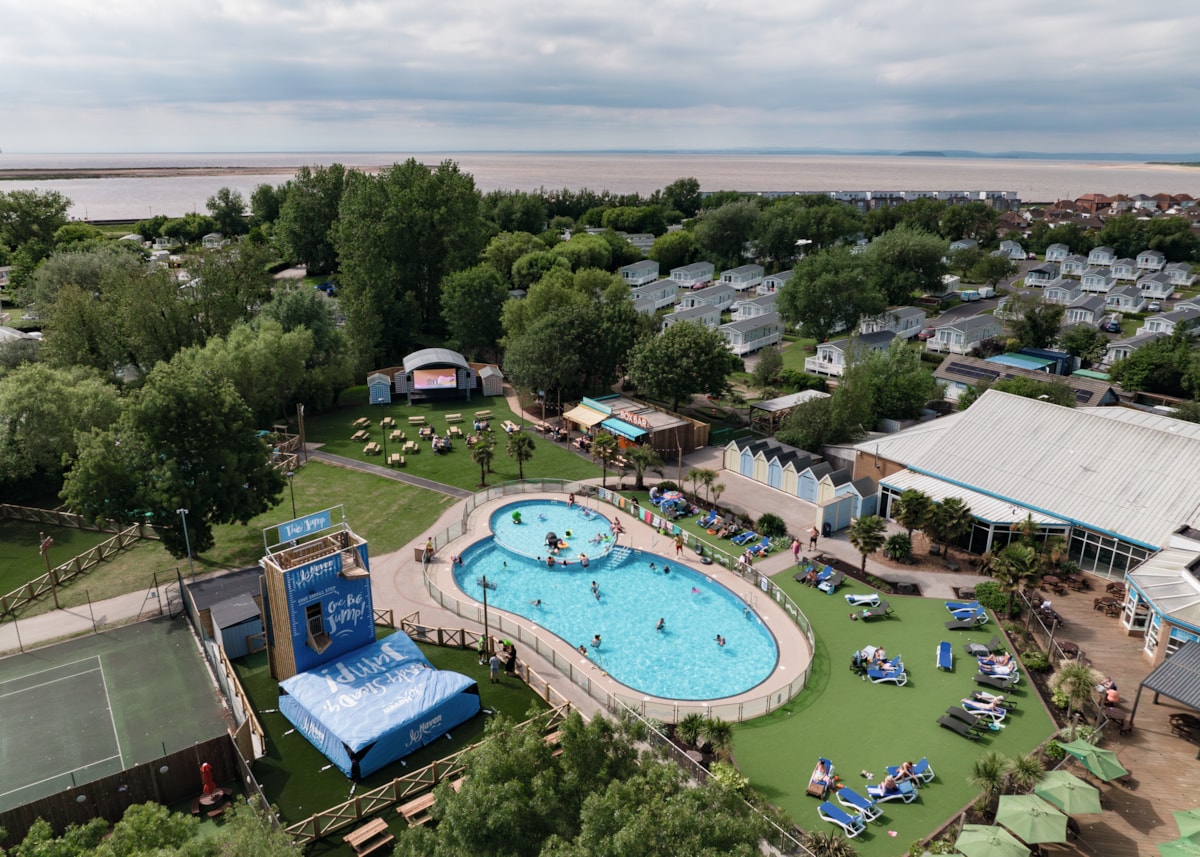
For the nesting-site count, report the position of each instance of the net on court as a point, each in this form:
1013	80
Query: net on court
91	707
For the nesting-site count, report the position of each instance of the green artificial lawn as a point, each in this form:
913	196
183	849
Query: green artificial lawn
291	774
20	561
863	726
688	524
550	460
387	513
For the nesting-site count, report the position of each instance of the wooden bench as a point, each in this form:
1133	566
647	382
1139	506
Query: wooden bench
454	418
396	459
372	448
416	421
416	811
397	436
359	436
370	837
455	431
483	415
410	446
362	422
553	740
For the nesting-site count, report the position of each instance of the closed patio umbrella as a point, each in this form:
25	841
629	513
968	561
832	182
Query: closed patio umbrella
1188	821
1185	846
1032	819
1069	793
1103	763
985	840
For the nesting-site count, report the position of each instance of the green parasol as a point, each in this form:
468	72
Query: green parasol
1185	846
1032	819
985	840
1103	763
1188	821
1069	793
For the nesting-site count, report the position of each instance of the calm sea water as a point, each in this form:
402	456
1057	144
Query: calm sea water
1033	180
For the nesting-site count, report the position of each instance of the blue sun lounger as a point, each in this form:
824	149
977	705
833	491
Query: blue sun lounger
966	622
945	657
745	538
851	824
865	807
904	791
922	770
871	600
898	677
962	606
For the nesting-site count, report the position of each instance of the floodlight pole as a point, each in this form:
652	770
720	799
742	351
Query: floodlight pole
187	541
44	543
291	475
487	642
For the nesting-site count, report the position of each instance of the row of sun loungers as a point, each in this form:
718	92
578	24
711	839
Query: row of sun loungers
857	811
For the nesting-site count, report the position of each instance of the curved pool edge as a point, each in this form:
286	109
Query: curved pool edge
786	680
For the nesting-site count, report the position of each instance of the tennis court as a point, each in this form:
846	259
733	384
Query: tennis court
90	707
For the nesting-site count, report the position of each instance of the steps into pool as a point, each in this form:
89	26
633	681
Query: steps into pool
619	554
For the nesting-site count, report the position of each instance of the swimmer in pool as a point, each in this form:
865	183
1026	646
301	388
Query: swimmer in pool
659	626
537	602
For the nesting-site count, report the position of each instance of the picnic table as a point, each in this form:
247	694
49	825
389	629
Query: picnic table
411	446
416	421
455	431
1055	584
397	436
372	448
360	435
387	422
362	422
396	460
483	415
416	811
454	418
370	837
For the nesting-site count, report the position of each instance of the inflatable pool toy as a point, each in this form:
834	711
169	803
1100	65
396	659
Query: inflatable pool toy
516	517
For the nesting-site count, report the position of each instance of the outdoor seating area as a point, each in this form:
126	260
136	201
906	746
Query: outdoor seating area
360	436
370	837
373	448
387	423
416	811
416	421
483	415
397	436
901	783
362	422
454	418
396	460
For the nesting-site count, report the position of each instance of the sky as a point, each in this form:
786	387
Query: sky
572	75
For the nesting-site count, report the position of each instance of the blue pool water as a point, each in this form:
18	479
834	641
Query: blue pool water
683	661
584	530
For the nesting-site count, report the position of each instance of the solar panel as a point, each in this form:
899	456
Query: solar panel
977	372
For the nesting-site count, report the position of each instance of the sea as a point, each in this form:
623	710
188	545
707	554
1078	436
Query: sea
128	197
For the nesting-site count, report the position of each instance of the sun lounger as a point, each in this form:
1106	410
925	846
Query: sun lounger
977	649
881	610
851	824
958	726
865	807
922	770
897	677
968	622
970	719
945	657
984	712
829	584
904	791
984	696
818	787
1011	673
871	600
745	538
963	606
708	519
998	682
762	548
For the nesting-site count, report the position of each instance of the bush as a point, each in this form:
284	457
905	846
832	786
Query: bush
898	547
667	485
1053	752
1059	698
1035	662
771	525
989	595
729	776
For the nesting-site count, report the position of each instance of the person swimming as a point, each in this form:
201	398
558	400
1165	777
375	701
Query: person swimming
659	626
537	602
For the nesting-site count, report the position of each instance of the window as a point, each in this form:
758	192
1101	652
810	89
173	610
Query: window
314	620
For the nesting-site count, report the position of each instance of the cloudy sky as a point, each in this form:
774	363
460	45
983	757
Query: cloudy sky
461	75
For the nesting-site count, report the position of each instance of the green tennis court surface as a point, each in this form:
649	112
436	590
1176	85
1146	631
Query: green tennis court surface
90	707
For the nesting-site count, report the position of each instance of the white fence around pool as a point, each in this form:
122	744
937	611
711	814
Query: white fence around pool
582	671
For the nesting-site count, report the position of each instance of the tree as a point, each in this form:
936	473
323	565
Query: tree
635	219
949	520
1077	682
821	843
1032	321
308	213
819	220
989	773
1013	566
482	454
29	219
1055	391
766	370
867	534
809	426
265	204
674	250
521	447
911	509
399	233
1173	237
228	209
722	233
900	384
535	266
683	195
971	220
829	292
683	360
1085	342
187	440
991	269
229	287
605	447
506	248
328	369
41	409
1159	366
190	228
904	262
515	210
643	459
470	302
584	250
1125	233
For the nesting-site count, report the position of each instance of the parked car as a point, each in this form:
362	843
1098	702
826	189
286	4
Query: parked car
1112	324
925	334
1154	306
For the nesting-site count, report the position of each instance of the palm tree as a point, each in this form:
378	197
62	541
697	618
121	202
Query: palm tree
482	454
642	459
694	476
1012	566
707	478
824	844
520	447
717	734
951	518
1027	771
868	535
689	729
604	447
911	510
717	490
1077	681
989	774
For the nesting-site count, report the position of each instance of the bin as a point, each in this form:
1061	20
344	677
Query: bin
418	554
827	529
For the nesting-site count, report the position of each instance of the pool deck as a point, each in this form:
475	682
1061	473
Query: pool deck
398	584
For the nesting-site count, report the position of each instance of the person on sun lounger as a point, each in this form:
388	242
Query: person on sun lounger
906	772
982	704
997	660
888	786
820	774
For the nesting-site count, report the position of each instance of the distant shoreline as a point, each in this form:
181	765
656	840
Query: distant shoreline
63	173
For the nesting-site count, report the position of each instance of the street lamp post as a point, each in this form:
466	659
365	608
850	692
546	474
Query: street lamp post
187	542
290	474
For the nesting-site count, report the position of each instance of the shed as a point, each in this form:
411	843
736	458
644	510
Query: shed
234	622
492	379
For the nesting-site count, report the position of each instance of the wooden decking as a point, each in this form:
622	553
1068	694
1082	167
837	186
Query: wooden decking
1164	766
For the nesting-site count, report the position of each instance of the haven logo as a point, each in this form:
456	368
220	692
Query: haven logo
425	731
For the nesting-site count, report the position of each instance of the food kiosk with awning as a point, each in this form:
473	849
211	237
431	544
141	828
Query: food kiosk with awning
623	429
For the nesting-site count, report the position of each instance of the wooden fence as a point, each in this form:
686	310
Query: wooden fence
54	518
42	586
384	797
169	779
258	743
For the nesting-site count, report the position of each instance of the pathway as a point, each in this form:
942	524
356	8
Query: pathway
387	473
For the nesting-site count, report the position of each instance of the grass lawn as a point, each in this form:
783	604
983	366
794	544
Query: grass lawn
20	561
863	726
796	352
291	774
388	514
550	459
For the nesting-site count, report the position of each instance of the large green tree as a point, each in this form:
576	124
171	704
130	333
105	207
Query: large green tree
1033	322
904	262
683	195
399	234
471	303
1160	366
819	220
828	293
229	287
228	210
900	383
722	233
185	440
682	361
502	252
674	250
308	212
29	219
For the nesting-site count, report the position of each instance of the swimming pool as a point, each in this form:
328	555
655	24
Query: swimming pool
583	530
683	661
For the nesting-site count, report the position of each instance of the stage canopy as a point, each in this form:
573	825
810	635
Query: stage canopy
376	704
